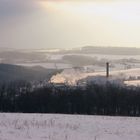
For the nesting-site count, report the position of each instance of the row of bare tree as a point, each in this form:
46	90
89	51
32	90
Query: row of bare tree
93	100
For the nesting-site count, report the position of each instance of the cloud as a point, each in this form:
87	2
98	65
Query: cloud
12	8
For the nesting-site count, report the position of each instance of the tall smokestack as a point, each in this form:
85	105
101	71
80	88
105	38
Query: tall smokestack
107	69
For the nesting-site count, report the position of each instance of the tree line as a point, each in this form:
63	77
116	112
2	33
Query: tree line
93	99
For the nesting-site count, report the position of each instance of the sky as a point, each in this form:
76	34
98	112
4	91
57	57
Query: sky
42	24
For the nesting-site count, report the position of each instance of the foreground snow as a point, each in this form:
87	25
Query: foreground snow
67	127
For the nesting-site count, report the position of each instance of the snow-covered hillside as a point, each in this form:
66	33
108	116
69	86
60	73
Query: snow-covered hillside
71	76
67	127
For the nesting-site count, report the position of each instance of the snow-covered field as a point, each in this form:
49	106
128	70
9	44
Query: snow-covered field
59	61
133	83
72	75
99	56
67	127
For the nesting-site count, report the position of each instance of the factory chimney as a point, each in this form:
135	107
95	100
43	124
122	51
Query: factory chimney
107	69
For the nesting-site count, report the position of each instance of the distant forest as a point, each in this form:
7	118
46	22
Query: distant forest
105	50
92	100
111	50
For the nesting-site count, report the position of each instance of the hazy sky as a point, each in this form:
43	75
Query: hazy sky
69	23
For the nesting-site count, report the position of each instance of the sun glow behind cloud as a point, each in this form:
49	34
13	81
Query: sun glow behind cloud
70	23
115	23
118	10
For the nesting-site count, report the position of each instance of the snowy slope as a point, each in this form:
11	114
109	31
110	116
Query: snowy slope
73	75
133	83
67	127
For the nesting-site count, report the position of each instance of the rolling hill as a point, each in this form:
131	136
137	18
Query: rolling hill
10	72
